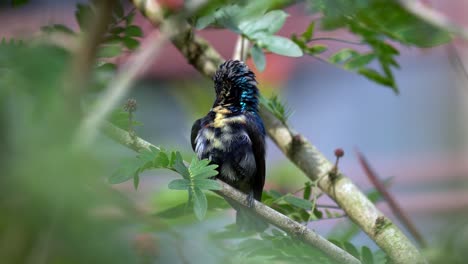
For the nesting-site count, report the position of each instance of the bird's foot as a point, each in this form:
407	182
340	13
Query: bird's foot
250	200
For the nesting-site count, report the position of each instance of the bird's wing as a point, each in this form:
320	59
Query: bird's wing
256	133
195	128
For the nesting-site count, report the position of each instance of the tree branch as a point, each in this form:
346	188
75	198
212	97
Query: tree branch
313	163
273	217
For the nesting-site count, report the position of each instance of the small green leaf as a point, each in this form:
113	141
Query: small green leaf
359	61
125	172
281	45
109	51
130	43
83	14
258	57
298	202
136	181
179	184
307	191
366	256
57	28
200	204
342	55
207	184
309	33
375	76
270	23
129	18
316	49
351	249
133	31
180	167
161	161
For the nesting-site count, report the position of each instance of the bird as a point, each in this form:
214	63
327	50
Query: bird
232	136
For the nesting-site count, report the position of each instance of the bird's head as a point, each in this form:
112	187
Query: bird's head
236	86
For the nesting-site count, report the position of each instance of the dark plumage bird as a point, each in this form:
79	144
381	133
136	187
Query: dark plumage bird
232	136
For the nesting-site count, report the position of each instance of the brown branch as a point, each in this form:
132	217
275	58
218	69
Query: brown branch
396	209
312	162
268	214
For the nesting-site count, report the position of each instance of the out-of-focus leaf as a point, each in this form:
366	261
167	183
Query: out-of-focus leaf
342	55
83	13
180	167
366	256
351	249
316	49
130	43
270	23
298	202
307	191
200	203
281	45
309	32
109	51
359	61
133	31
179	184
16	3
125	172
57	28
377	77
258	57
207	184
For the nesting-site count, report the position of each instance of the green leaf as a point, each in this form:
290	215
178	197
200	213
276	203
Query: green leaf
57	28
316	49
200	204
199	169
161	161
16	3
130	43
179	184
359	61
309	33
83	13
207	184
351	249
307	191
125	172
129	18
342	55
281	45
117	30
109	51
133	31
180	167
270	23
377	77
298	202
136	181
258	57
366	256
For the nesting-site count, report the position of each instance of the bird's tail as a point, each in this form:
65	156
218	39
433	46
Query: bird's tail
246	220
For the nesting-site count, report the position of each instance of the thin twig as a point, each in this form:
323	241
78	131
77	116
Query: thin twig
268	214
397	210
